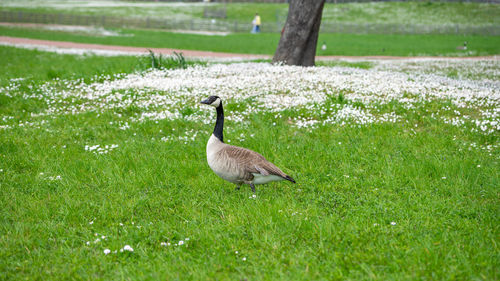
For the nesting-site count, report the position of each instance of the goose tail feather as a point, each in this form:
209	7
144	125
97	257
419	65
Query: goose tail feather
289	178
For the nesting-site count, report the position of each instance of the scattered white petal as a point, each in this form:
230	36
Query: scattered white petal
127	248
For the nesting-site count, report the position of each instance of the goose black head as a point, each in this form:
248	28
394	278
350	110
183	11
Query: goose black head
214	101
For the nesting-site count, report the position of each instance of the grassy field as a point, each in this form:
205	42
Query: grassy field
338	44
44	66
417	12
396	166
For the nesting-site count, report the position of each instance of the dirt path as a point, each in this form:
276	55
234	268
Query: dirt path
6	40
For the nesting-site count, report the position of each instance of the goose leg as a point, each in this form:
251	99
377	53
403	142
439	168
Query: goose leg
253	187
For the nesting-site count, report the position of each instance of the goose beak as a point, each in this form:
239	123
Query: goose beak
205	101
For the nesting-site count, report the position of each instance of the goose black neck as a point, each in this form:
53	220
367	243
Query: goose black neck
219	124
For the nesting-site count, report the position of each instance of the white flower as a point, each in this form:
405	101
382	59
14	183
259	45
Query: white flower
236	252
393	223
479	166
443	178
107	251
127	248
187	239
244	258
121	224
88	243
92	222
163	244
181	242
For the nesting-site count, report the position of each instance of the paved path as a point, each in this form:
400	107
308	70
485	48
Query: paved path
198	54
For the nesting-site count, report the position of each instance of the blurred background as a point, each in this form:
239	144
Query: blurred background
349	27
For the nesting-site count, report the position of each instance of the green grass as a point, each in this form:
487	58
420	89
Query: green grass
44	66
338	44
413	12
361	64
322	228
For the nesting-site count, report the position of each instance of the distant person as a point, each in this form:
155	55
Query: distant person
256	22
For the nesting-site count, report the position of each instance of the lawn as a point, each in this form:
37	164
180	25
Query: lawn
103	174
412	12
42	66
265	43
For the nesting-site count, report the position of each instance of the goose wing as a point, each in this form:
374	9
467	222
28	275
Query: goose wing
252	162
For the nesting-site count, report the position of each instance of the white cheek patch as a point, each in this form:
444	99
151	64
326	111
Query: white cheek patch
216	103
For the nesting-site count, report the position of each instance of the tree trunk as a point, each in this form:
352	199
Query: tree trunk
298	40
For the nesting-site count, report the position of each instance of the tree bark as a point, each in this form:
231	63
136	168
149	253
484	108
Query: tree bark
299	38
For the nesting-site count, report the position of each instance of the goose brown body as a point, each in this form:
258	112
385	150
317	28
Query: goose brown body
240	165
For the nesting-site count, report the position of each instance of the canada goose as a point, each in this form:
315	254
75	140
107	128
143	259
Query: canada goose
236	164
464	47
